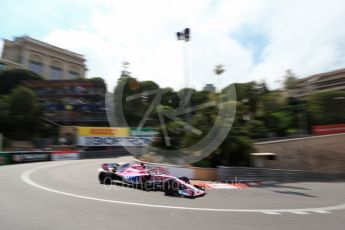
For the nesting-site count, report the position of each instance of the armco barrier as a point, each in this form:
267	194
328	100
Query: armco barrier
28	157
64	155
4	158
101	154
265	174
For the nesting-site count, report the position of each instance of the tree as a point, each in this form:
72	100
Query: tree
24	113
273	111
9	79
234	151
4	114
100	81
326	107
256	129
290	79
134	110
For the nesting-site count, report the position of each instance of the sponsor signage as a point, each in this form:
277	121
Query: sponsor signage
104	136
65	155
113	141
328	129
145	132
102	132
26	157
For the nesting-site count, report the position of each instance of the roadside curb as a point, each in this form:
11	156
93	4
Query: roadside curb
232	185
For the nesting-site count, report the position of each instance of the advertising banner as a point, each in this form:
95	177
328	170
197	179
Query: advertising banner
144	132
102	132
113	141
64	155
328	129
26	157
4	158
104	136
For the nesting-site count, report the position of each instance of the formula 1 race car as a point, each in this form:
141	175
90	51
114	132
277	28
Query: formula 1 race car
138	176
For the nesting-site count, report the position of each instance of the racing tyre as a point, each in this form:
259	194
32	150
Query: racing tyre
105	177
101	177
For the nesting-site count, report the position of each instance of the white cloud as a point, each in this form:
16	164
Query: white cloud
306	36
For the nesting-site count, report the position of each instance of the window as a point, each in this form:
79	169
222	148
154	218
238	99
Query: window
73	75
36	67
55	73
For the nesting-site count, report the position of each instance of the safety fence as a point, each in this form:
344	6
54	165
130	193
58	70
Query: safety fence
24	157
17	157
247	174
221	173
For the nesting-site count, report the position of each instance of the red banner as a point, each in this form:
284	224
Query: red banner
328	129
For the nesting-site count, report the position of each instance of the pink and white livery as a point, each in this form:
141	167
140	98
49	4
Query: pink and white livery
138	176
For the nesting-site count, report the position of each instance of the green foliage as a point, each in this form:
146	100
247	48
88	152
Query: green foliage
98	80
259	113
24	114
256	129
4	114
326	107
271	102
9	79
279	123
290	80
234	151
134	110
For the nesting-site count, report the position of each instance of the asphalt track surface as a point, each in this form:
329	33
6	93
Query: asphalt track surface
67	195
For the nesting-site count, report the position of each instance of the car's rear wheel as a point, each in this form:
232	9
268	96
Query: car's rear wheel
101	177
105	177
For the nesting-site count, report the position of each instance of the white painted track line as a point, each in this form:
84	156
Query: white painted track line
322	212
300	213
272	213
25	176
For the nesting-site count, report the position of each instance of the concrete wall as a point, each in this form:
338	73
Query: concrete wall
317	154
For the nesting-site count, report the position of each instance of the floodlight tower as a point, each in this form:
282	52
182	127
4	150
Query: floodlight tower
186	101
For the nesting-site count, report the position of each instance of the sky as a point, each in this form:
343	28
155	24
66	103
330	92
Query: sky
254	39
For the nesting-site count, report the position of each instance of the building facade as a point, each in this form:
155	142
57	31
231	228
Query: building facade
71	102
48	61
329	81
209	88
7	64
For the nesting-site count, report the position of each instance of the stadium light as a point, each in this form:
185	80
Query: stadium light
184	35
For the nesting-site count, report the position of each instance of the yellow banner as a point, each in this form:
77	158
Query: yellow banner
102	132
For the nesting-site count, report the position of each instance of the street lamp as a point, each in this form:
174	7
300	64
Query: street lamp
218	71
185	36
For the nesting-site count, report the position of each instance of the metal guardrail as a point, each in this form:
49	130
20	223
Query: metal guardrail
265	174
102	154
